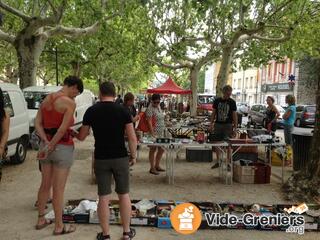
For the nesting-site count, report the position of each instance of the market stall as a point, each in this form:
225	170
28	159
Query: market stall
169	87
247	171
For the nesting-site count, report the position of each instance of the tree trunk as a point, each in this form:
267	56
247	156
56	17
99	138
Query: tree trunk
223	74
29	49
304	185
76	68
194	74
313	168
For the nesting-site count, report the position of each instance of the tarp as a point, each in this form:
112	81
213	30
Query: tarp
169	87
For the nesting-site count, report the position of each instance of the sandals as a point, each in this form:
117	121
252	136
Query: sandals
100	236
36	204
65	230
43	225
129	235
216	165
154	172
126	235
159	169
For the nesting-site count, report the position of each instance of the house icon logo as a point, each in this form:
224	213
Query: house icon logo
186	218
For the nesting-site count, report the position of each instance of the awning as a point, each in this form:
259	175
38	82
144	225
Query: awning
169	87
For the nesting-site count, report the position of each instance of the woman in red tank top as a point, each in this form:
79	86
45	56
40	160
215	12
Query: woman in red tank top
53	124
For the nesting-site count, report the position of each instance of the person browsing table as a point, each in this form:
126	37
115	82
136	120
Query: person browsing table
53	124
224	119
109	122
154	112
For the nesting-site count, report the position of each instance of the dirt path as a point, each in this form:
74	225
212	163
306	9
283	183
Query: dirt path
194	181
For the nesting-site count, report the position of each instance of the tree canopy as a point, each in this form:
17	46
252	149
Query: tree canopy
117	50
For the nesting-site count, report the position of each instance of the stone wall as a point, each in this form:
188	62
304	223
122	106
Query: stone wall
307	80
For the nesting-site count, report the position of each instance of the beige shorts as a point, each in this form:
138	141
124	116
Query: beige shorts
61	157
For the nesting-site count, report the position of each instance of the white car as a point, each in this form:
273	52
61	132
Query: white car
16	106
243	108
36	94
281	111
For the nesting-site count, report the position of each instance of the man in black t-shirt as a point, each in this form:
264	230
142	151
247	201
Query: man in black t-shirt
109	122
224	118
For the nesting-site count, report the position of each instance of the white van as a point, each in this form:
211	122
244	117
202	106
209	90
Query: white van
16	106
35	95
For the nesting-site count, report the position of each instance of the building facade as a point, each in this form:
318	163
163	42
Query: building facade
245	84
275	80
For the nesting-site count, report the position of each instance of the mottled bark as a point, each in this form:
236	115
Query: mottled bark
76	68
194	74
28	48
223	74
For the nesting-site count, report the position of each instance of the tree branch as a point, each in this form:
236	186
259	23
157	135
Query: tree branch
276	26
241	13
103	4
15	12
173	67
52	7
281	7
273	39
72	32
205	59
6	37
60	10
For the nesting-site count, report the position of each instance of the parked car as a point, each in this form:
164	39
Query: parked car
205	102
36	94
257	114
16	106
281	111
305	115
243	108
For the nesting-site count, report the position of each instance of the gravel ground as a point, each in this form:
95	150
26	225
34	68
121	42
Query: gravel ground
194	182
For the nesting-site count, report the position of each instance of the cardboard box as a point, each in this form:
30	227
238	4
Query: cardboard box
68	218
113	219
81	218
243	174
262	173
198	155
164	222
244	149
144	221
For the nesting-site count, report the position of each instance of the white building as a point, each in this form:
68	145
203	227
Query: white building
209	79
245	84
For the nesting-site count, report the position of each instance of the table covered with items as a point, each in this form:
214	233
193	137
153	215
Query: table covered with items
239	156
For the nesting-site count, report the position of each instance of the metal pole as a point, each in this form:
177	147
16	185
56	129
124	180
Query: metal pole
57	70
243	86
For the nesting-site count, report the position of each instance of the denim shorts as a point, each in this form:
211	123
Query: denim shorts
61	157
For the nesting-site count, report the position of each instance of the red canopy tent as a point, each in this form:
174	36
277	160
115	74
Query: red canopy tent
169	87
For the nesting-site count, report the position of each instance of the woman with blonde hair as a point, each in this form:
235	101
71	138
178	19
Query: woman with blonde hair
289	117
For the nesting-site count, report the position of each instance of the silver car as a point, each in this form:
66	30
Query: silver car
243	108
257	114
